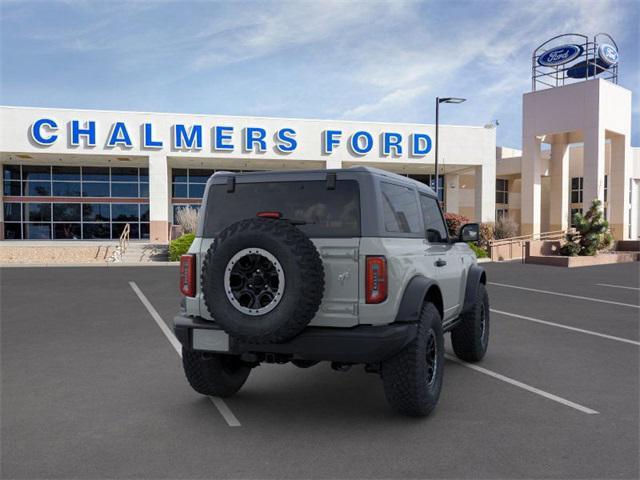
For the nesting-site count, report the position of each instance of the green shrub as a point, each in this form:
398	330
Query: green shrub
480	252
180	246
592	233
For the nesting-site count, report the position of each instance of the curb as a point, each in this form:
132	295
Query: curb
94	265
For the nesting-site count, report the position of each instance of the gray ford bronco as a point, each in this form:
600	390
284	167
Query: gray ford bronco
350	266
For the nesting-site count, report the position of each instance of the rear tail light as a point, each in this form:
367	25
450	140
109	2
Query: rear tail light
376	280
188	275
275	215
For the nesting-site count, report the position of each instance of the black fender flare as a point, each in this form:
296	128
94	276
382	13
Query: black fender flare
475	277
413	298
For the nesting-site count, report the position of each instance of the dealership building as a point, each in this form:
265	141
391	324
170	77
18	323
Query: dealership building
85	174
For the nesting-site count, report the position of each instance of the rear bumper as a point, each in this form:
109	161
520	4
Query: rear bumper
361	344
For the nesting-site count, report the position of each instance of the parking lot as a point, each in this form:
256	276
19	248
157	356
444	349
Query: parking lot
92	387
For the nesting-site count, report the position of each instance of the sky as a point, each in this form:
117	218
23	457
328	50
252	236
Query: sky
351	60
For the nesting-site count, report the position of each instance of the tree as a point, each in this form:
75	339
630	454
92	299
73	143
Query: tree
591	235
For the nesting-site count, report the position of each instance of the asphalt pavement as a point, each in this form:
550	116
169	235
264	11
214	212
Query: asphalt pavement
93	388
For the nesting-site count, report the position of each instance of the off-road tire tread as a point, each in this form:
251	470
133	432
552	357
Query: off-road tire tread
307	257
207	376
400	374
465	337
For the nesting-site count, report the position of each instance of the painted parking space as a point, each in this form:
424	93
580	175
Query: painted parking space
115	396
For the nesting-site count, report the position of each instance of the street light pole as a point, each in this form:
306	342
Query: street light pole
438	102
436	146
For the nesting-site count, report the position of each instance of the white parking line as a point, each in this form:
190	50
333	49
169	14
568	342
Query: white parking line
524	386
590	299
617	286
552	324
219	403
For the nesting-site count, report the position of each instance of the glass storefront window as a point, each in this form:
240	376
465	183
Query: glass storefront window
128	174
96	212
12	212
95	174
37	231
70	220
31	220
66	189
66	212
13	231
37	212
37	189
69	231
11	172
124	212
196	190
36	172
96	231
66	173
11	188
95	189
124	190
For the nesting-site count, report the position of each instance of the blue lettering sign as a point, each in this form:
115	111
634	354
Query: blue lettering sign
391	140
608	54
36	131
286	140
221	137
560	55
421	144
88	131
119	136
330	139
359	147
253	136
186	139
147	138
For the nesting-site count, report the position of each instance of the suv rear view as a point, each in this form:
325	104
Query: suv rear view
346	266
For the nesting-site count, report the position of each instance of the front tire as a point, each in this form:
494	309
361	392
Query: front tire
412	379
470	338
214	374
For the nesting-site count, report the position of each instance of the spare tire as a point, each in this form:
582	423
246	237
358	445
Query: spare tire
262	280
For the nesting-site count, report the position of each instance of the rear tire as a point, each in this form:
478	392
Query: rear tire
412	379
214	374
470	338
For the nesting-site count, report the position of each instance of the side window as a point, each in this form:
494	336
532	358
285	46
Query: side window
433	222
400	209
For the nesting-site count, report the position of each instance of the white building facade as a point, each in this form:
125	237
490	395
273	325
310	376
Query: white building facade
85	174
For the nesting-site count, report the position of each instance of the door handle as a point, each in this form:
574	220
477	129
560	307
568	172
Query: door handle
440	263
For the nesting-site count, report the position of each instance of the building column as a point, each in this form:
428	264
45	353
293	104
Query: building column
531	186
333	163
159	198
559	196
593	167
485	192
452	192
618	187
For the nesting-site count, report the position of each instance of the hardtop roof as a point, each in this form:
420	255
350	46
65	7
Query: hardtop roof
268	175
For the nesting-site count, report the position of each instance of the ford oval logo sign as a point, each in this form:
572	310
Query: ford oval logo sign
608	54
560	55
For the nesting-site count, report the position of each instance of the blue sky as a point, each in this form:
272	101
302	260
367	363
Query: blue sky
356	60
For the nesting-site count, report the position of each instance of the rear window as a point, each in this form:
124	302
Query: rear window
400	209
325	213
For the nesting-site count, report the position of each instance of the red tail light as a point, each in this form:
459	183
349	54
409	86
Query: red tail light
275	215
376	280
188	275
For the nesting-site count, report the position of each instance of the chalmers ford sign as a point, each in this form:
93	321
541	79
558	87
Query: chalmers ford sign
222	138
